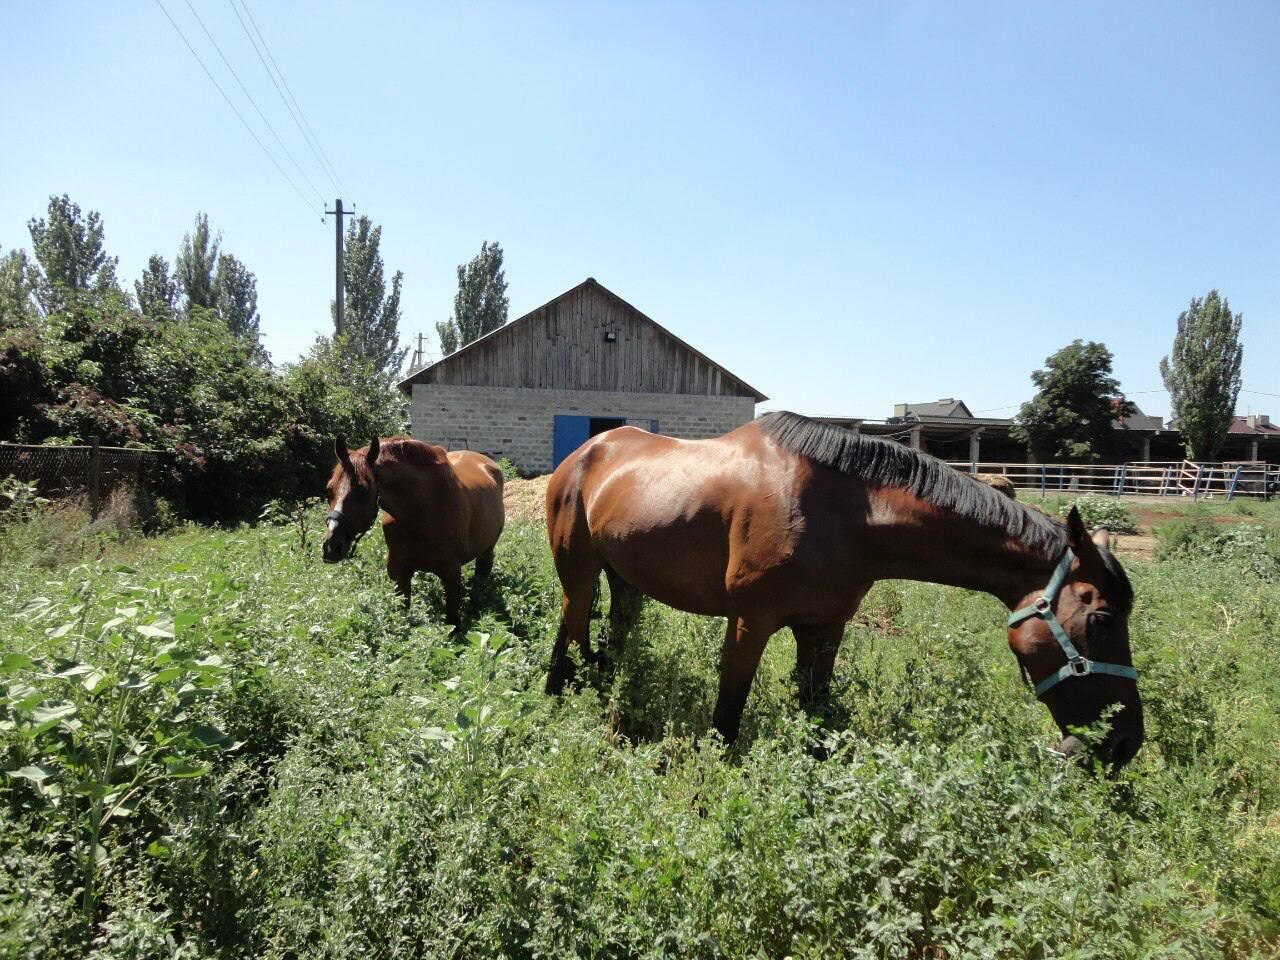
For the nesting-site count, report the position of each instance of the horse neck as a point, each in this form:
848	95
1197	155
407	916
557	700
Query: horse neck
405	490
917	540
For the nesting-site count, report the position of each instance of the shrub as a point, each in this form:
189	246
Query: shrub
509	470
1101	511
1246	546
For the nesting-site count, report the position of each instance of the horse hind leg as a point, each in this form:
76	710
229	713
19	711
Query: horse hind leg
575	626
816	649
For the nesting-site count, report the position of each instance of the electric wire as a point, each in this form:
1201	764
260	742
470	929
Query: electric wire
253	102
295	108
218	86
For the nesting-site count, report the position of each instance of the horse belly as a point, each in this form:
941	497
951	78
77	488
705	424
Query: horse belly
680	562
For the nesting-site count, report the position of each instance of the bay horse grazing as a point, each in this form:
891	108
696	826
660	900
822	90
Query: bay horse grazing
440	511
787	522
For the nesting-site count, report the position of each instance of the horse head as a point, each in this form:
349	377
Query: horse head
1073	642
353	499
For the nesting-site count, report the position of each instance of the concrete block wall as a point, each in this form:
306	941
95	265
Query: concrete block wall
518	423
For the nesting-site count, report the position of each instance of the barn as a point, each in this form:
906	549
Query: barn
535	389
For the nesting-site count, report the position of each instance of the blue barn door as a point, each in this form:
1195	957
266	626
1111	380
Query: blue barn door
569	433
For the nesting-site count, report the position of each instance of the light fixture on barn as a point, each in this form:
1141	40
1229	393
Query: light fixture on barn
611	336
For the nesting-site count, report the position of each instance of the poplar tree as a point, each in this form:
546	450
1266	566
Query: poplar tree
235	297
1202	374
68	246
480	305
196	265
371	317
157	290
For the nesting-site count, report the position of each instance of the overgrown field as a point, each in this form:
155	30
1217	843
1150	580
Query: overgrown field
216	746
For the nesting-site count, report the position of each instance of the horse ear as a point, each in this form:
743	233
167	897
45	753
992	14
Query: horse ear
371	457
1077	536
340	448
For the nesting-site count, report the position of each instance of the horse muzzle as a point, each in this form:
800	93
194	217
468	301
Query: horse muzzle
1114	752
335	547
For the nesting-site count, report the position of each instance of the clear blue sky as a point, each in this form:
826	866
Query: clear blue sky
847	205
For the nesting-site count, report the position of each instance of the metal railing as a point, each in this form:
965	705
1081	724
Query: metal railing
1184	478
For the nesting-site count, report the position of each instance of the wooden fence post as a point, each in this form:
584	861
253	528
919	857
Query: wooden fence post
94	478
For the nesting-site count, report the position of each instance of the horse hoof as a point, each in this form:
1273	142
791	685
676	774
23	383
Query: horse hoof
558	677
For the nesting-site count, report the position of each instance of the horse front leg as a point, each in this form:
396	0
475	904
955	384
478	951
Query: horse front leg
451	580
744	643
402	577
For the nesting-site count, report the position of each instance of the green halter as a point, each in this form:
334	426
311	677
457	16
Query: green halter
1076	665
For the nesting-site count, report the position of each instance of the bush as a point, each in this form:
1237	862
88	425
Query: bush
1246	546
1101	511
509	470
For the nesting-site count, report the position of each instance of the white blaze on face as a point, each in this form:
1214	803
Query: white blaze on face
332	524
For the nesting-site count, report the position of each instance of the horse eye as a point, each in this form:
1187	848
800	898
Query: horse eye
1099	625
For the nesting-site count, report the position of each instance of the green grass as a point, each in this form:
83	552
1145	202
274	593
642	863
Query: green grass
326	776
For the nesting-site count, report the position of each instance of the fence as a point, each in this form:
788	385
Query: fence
1168	479
93	470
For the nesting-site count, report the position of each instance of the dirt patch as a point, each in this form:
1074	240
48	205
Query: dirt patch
526	499
1150	517
1138	545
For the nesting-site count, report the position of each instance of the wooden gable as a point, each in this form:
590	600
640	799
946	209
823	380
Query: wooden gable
588	338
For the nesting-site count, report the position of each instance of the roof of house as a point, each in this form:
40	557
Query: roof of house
508	329
1261	425
946	407
1137	420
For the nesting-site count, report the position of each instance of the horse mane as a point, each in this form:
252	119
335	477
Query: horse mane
885	463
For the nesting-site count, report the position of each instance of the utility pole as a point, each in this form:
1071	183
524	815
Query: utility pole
419	357
337	244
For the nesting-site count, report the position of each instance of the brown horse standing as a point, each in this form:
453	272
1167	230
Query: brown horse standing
440	510
787	522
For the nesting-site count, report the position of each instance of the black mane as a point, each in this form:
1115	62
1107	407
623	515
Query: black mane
888	464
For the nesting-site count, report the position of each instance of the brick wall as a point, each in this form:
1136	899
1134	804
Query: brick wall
518	423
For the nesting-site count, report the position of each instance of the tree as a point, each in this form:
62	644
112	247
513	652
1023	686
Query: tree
480	305
197	261
1075	407
235	297
1202	374
19	282
69	248
157	291
372	315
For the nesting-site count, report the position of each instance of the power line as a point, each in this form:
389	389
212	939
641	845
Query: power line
214	81
1259	393
249	96
1127	393
295	109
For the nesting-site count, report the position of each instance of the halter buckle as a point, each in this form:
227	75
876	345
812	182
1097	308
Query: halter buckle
1080	667
1042	604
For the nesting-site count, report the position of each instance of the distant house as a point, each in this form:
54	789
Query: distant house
947	428
587	361
946	407
1252	437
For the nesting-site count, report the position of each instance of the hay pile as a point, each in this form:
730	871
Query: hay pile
526	499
